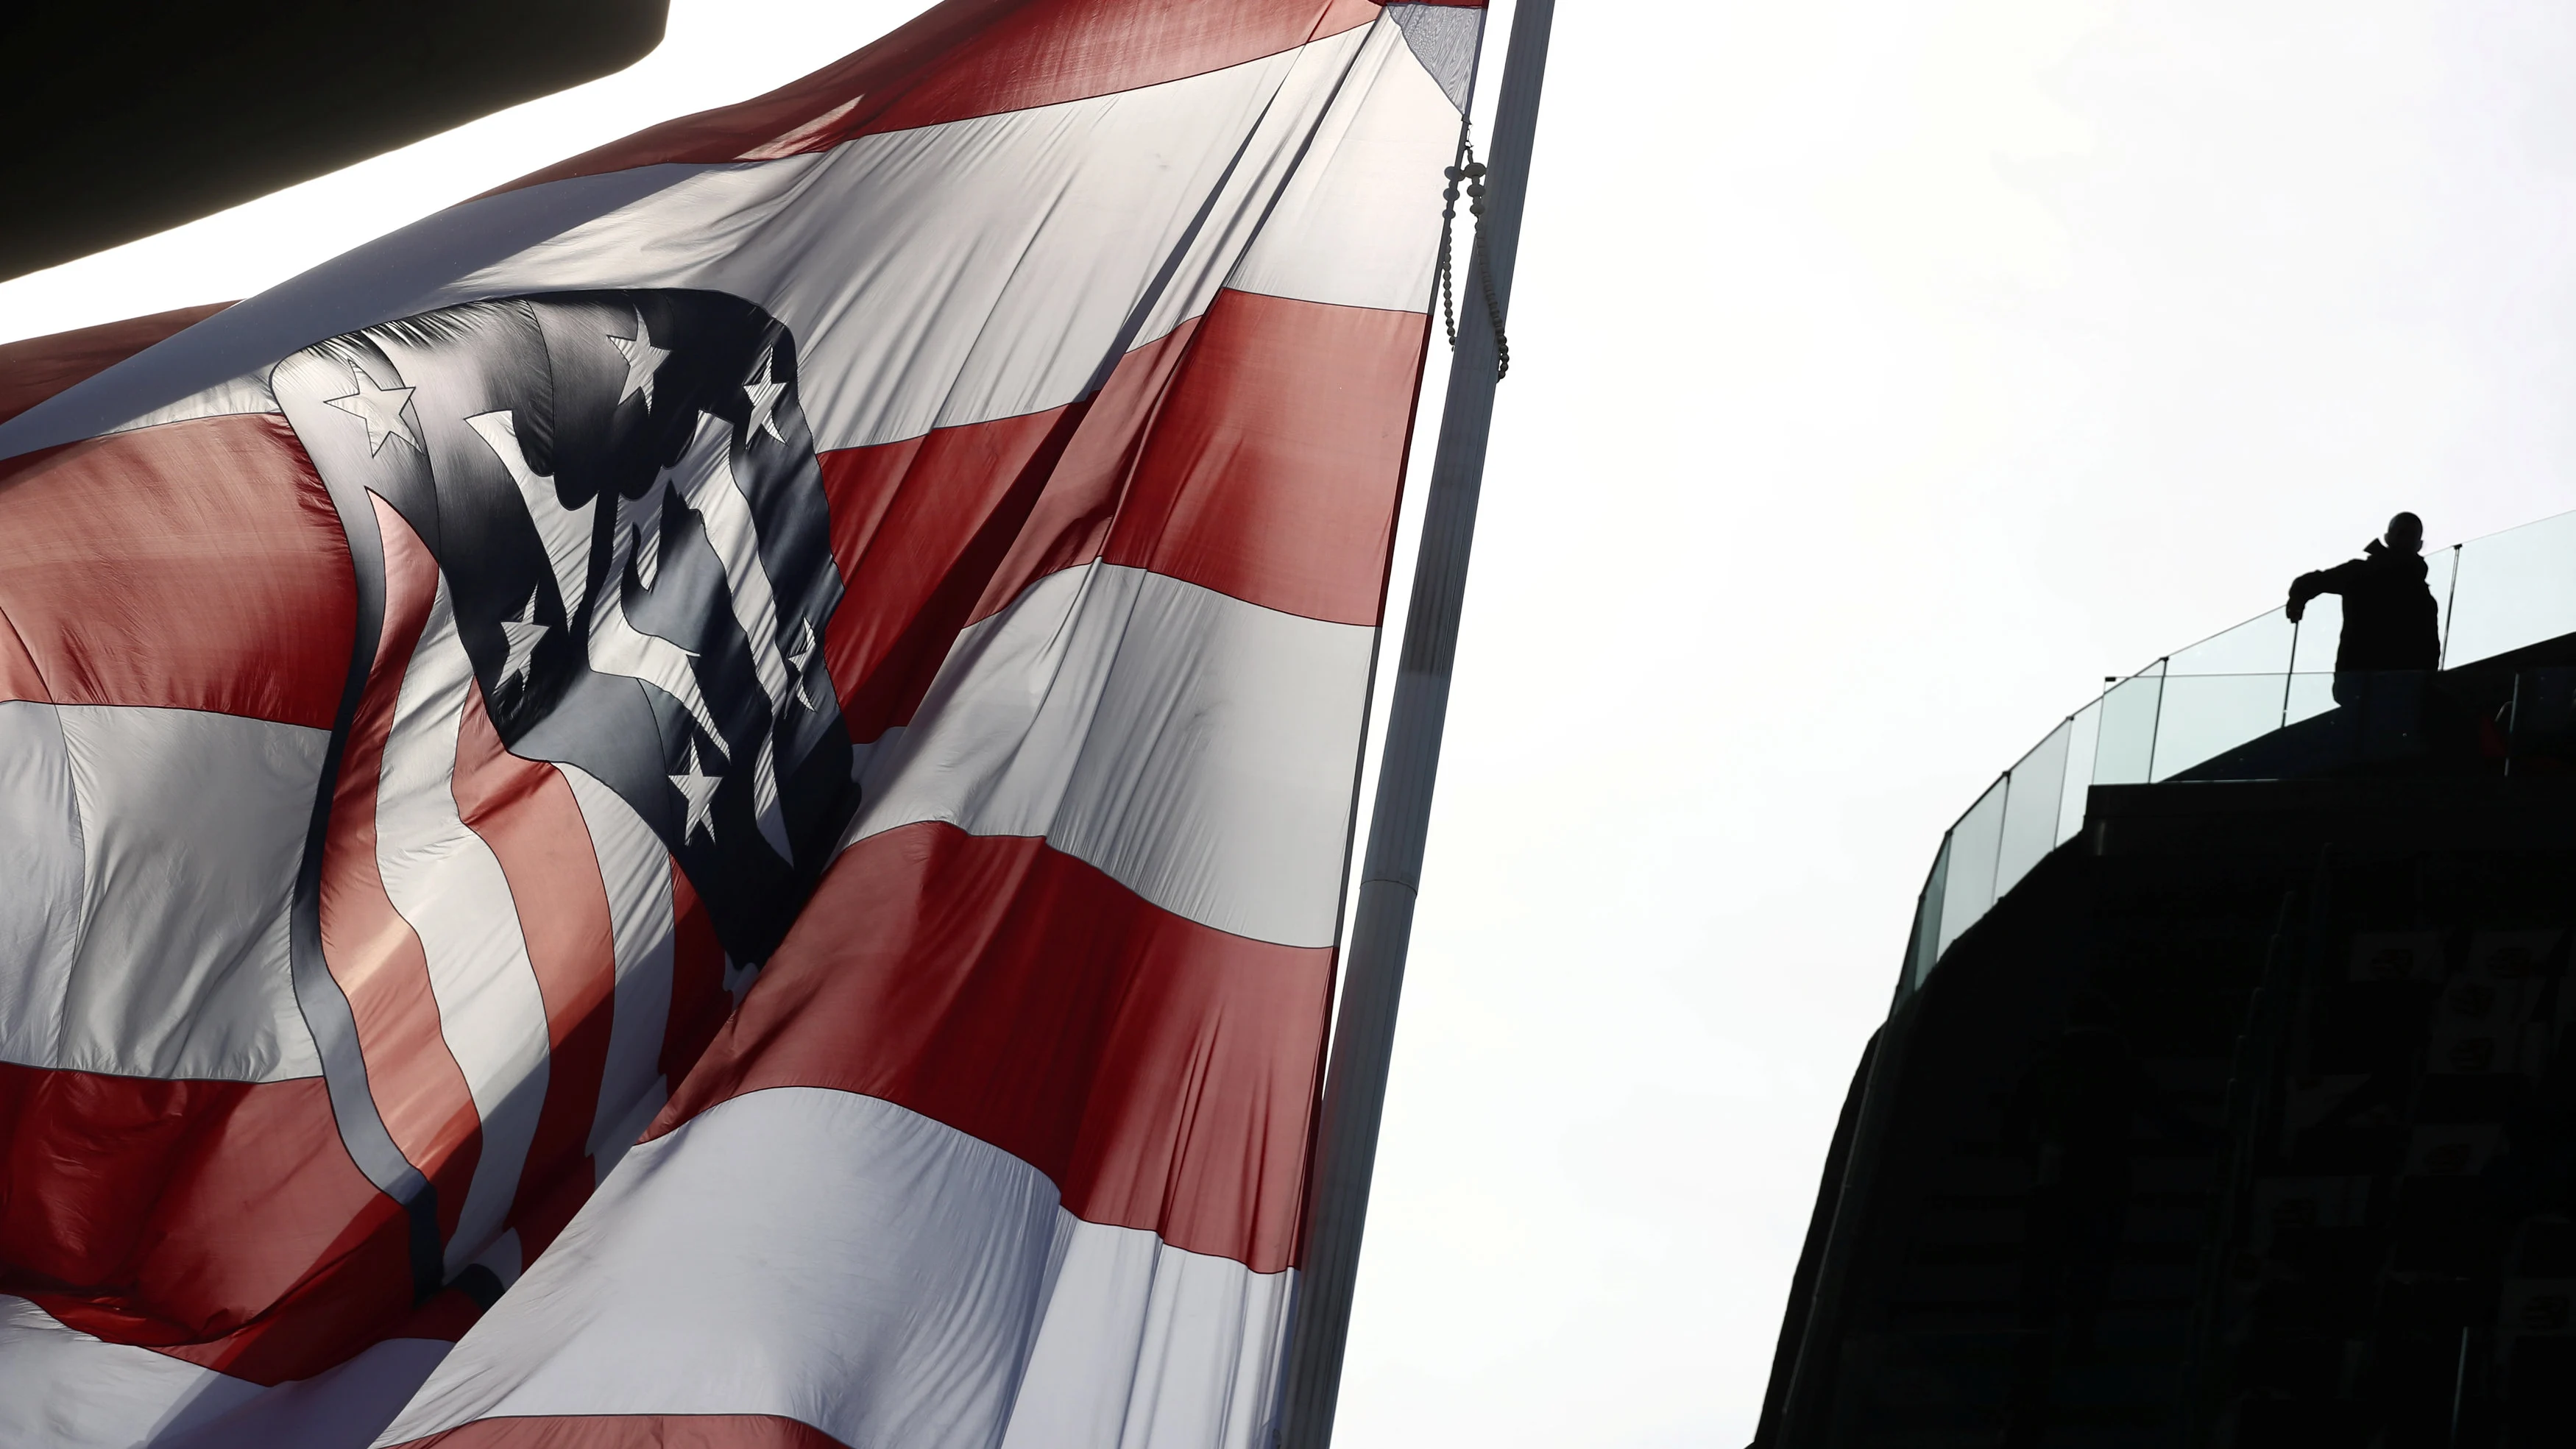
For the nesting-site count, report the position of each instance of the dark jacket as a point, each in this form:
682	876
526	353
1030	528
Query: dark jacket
2389	619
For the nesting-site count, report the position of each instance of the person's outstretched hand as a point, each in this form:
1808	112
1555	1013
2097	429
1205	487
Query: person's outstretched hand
2297	607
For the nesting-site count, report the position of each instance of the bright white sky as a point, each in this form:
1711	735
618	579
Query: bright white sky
1886	372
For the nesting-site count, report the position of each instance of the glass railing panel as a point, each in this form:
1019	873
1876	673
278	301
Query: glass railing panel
2084	734
2126	749
2260	645
2442	577
1925	950
2309	695
2515	588
2206	715
2492	596
2031	807
1970	888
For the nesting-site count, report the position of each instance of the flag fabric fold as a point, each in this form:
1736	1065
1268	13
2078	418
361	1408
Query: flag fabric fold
702	801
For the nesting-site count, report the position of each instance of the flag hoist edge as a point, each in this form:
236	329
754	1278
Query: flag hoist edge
702	801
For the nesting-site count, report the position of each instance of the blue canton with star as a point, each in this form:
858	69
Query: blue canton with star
622	494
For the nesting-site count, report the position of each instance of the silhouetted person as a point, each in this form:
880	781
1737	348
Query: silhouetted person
2389	619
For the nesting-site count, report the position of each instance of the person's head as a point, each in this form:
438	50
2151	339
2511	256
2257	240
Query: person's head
2406	533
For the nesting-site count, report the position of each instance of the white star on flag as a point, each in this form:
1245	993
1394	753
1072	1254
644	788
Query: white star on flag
382	409
797	653
522	634
764	401
699	789
643	359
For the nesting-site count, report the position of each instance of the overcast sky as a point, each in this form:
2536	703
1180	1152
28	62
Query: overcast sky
1886	372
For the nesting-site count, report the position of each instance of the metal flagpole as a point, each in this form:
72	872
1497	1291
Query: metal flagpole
1382	926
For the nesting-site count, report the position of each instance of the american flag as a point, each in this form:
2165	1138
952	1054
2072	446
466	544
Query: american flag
702	801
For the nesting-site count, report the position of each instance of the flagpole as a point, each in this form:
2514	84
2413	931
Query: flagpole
1382	925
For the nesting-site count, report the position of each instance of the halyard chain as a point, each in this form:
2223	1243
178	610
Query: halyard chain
1472	174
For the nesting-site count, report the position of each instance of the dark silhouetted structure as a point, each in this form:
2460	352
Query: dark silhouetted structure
2244	1117
123	120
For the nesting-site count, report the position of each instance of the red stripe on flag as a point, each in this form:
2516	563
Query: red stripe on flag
38	367
373	953
18	676
1074	515
1158	1071
195	565
918	528
220	1222
699	1001
1257	451
525	812
970	58
1271	472
631	1431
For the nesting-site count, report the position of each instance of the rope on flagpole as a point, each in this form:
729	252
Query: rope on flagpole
1472	176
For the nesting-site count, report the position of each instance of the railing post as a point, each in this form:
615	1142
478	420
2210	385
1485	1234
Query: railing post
2289	674
1345	1151
2450	602
2156	722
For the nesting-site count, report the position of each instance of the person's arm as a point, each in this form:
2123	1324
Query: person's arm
2320	581
2302	589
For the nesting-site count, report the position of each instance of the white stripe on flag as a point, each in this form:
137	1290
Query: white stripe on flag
447	883
64	1389
842	1262
1196	748
637	872
40	858
1145	1346
1359	222
975	270
824	1257
104	966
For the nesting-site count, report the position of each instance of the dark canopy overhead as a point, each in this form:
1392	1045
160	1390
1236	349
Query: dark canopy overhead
125	120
